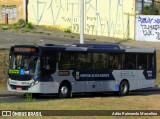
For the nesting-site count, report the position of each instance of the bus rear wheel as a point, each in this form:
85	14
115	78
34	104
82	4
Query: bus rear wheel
64	90
123	88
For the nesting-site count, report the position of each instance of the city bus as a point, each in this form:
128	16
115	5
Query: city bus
80	68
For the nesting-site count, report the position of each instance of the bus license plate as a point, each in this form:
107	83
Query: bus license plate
18	88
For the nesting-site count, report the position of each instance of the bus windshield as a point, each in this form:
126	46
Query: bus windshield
24	64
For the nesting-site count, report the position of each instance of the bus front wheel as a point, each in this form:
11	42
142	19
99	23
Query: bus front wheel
124	88
64	90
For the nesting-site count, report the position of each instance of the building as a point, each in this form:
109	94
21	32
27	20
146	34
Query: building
112	18
15	9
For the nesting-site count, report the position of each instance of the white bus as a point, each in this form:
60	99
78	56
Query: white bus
80	68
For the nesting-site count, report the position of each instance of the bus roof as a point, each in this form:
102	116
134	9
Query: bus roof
92	47
107	46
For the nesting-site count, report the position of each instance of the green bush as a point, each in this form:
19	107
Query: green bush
68	30
21	23
29	26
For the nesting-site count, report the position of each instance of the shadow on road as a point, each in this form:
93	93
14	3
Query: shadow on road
42	98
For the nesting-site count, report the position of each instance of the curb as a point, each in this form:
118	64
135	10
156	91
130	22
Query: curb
155	89
6	93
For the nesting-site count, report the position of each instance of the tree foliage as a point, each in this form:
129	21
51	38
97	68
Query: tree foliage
148	10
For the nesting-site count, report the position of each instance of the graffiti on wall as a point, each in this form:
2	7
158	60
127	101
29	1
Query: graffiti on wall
10	10
147	28
102	17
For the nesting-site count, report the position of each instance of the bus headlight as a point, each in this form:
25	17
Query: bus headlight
34	83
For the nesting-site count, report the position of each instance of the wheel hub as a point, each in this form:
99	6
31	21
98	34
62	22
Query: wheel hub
64	90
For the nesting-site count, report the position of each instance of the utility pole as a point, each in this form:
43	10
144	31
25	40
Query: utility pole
81	21
152	7
142	6
25	10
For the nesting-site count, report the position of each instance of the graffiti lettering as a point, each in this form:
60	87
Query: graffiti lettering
157	21
75	19
91	18
67	19
76	27
155	27
158	35
145	20
101	16
148	28
90	28
147	32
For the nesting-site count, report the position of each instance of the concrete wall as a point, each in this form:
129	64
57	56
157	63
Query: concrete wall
14	9
112	18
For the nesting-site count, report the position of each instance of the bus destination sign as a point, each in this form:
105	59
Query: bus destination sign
24	49
14	71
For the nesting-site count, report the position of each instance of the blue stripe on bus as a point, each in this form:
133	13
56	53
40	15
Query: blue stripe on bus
80	75
149	74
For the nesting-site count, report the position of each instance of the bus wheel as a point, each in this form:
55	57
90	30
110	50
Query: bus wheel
123	88
64	90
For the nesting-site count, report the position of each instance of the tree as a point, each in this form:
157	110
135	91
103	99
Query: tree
148	10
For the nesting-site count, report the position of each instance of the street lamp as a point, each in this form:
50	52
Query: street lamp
81	21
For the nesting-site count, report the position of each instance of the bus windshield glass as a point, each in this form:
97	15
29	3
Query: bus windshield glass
23	64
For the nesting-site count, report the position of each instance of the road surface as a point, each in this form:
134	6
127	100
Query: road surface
17	98
9	38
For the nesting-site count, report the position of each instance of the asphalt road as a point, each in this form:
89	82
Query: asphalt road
7	39
18	98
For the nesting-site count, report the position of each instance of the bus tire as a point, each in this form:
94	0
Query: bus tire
124	88
64	90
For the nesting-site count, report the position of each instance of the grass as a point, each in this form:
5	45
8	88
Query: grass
104	103
51	27
134	102
3	86
4	60
158	69
17	26
68	30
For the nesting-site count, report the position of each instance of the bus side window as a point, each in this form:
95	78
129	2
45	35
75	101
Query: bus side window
130	61
150	60
49	64
99	61
115	61
83	61
142	61
65	61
